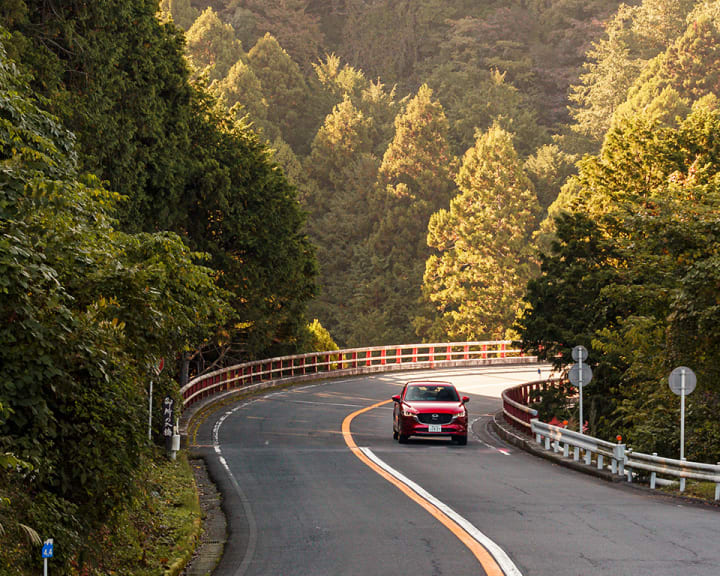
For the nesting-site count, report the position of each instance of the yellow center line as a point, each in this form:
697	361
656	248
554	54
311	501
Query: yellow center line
486	560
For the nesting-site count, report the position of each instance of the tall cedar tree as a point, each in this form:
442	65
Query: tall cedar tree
343	166
415	181
285	90
482	246
211	46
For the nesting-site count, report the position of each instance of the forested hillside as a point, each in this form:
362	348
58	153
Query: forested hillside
196	180
449	152
139	220
371	107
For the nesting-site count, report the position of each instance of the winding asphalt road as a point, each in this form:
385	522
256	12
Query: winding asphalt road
301	502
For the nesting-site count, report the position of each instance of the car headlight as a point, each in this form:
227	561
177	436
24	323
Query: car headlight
461	414
408	411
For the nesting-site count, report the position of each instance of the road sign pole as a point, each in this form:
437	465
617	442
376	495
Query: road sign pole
580	375
580	387
45	569
682	414
682	381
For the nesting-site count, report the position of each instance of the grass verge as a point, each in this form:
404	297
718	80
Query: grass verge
154	535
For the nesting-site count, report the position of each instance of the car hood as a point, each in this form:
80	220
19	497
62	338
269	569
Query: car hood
436	406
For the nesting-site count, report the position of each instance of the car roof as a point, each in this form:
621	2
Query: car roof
429	382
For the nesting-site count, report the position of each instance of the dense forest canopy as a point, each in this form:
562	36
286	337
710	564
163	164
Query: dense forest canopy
449	152
197	180
371	106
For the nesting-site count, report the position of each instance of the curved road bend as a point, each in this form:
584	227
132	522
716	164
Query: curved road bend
300	502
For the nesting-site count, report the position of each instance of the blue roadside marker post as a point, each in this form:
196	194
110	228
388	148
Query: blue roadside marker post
47	552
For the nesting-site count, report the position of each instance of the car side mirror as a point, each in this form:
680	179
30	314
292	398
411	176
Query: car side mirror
465	399
396	398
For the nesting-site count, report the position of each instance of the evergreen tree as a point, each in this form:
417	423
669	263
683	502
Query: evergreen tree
241	87
483	252
289	21
286	91
371	98
414	181
633	37
212	47
343	167
682	75
240	208
181	12
549	168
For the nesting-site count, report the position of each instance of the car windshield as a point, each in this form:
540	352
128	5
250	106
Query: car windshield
431	393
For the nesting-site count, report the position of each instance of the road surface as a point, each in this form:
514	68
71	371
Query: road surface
302	500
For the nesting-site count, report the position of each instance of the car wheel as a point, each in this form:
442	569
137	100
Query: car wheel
395	435
460	440
403	438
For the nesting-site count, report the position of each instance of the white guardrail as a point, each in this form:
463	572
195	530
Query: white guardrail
623	462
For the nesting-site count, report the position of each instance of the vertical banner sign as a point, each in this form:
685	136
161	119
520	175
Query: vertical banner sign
157	368
168	410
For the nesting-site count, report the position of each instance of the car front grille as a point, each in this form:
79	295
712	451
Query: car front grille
435	418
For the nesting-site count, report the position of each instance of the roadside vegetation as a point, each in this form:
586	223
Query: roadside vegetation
154	533
215	182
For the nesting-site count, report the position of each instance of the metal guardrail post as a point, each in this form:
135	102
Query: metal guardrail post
653	476
682	480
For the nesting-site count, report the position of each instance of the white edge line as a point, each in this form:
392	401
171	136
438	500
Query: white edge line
506	565
252	526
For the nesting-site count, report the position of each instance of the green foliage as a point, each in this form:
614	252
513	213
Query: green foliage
181	12
159	142
685	73
634	36
240	208
241	86
321	340
85	309
285	89
211	46
289	21
482	256
549	168
476	98
117	79
639	270
415	180
345	170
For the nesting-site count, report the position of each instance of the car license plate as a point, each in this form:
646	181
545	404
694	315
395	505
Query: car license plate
434	428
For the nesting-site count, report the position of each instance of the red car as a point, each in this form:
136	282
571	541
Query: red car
429	408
